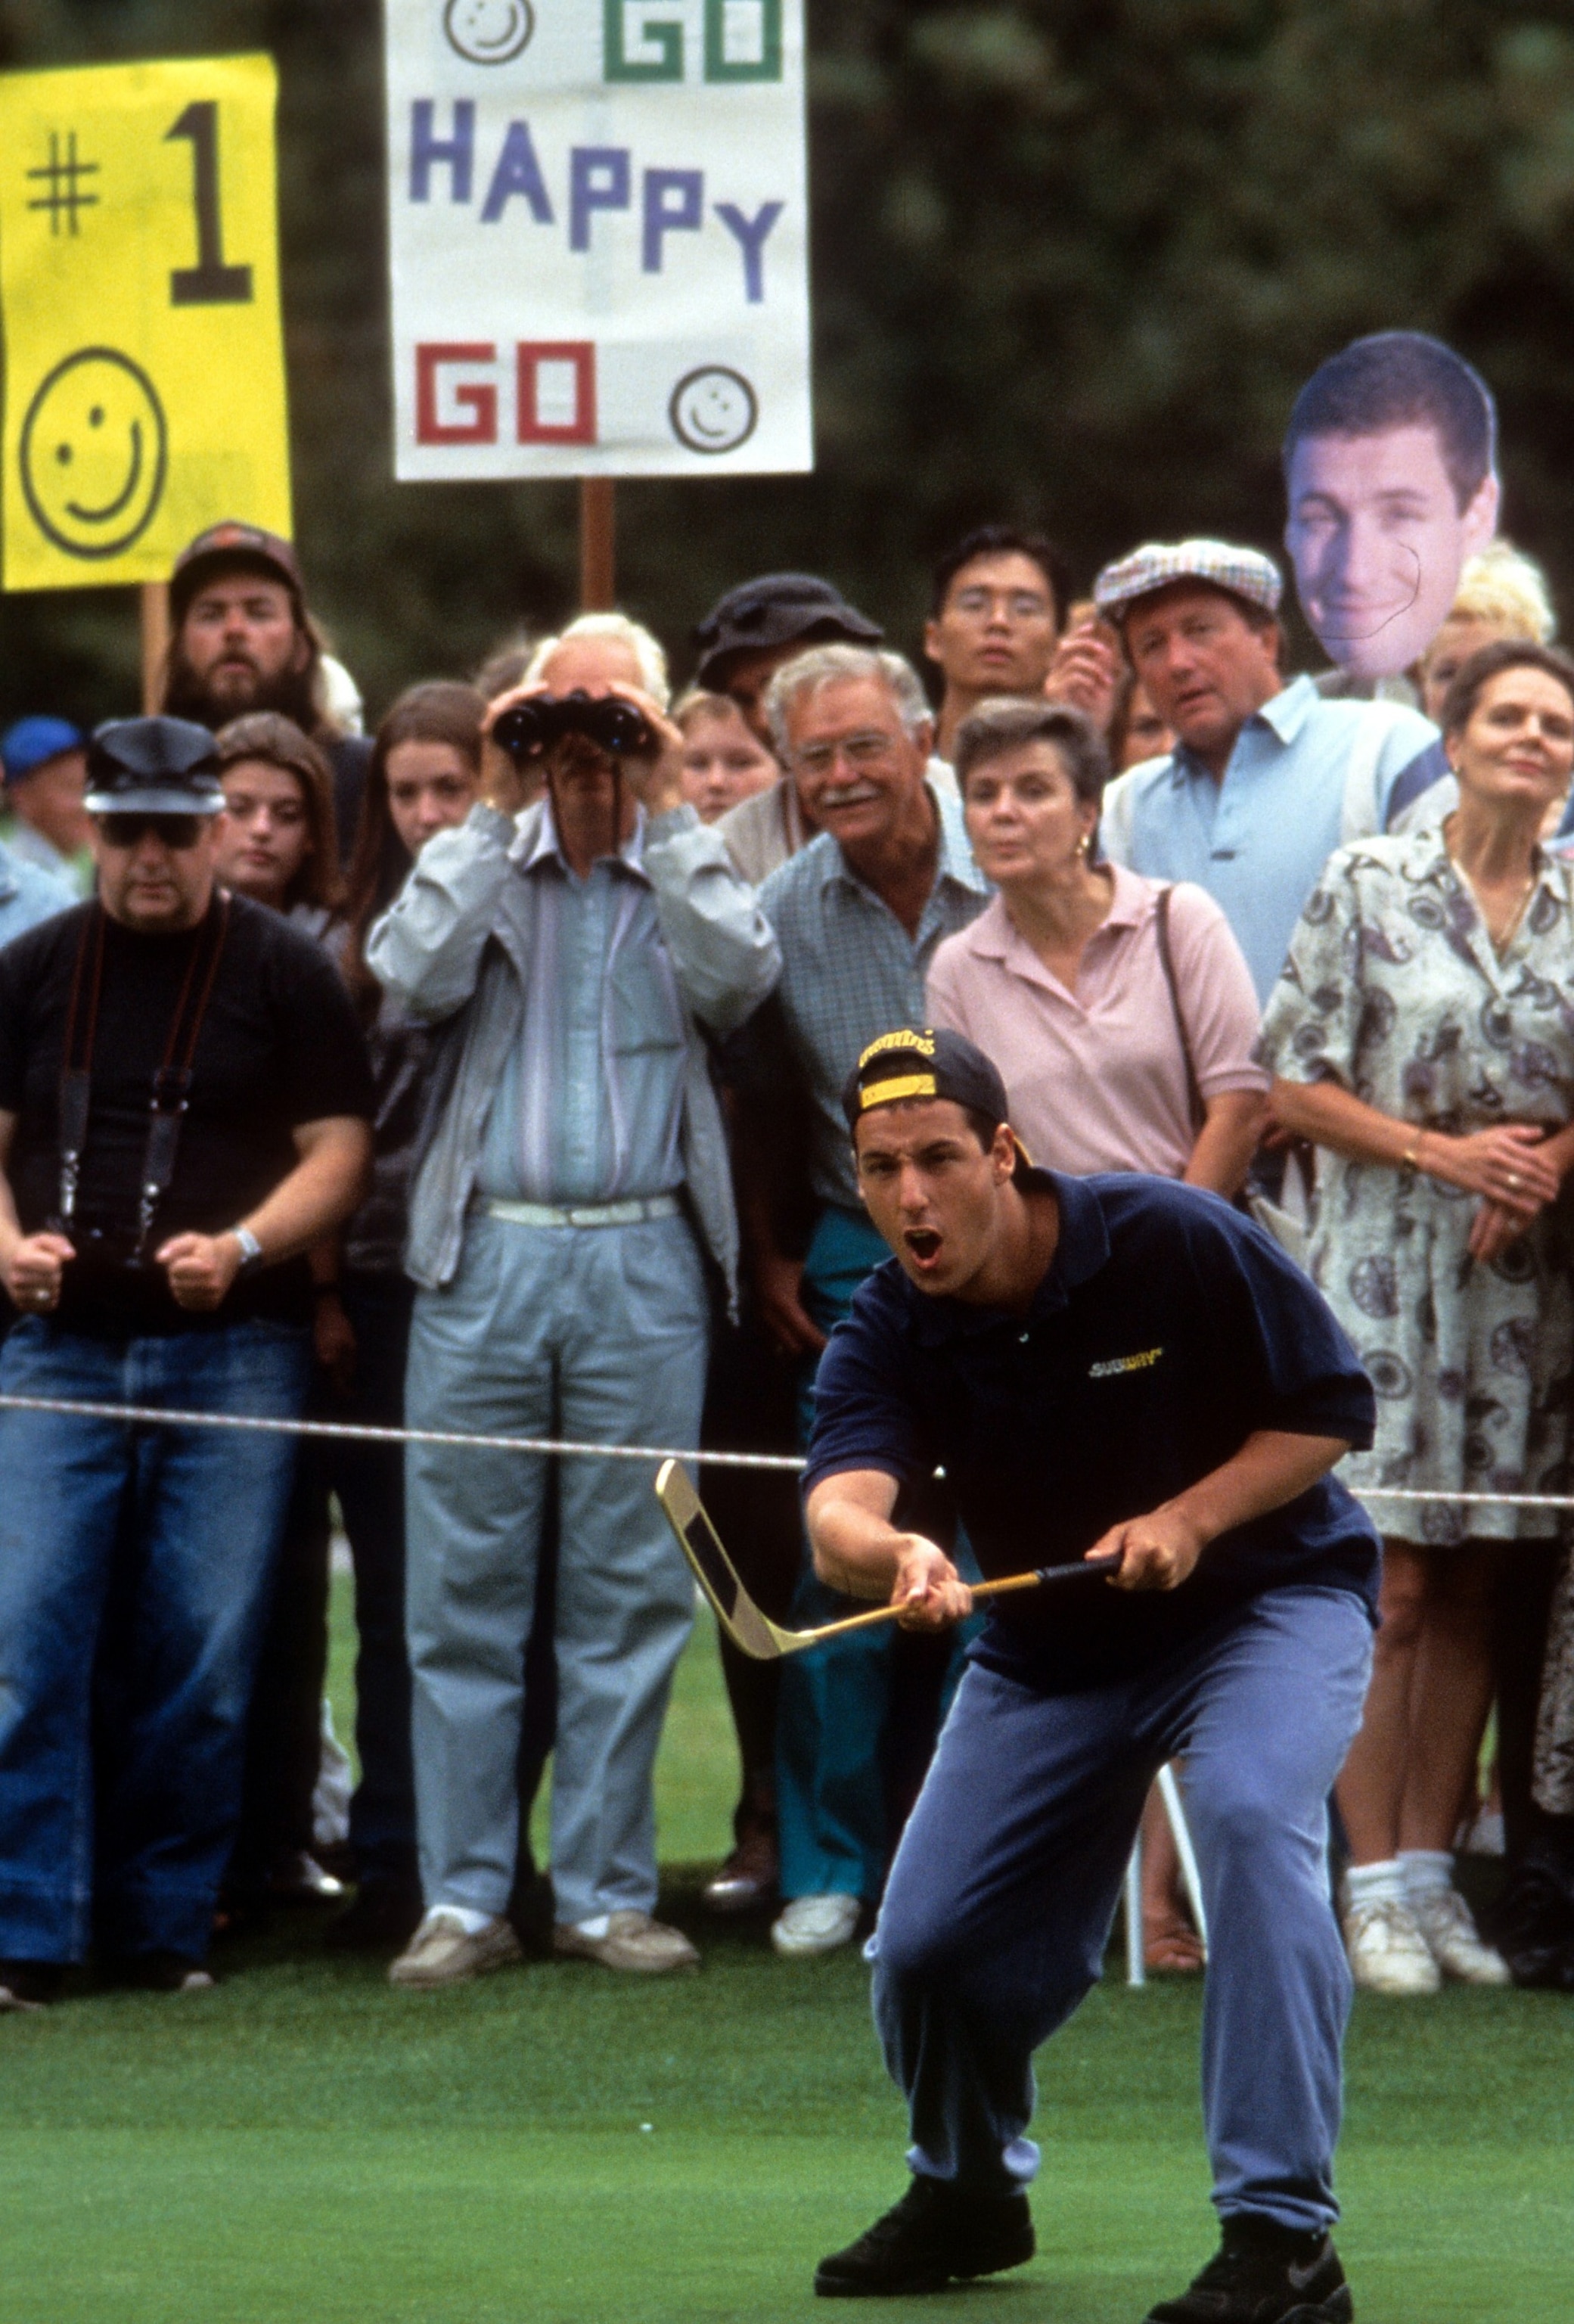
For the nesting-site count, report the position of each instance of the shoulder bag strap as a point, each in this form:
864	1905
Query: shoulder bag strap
1194	1099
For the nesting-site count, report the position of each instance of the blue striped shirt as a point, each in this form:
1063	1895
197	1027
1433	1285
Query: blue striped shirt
851	971
590	1106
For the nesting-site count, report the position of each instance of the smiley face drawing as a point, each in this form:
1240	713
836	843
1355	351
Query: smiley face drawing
489	31
713	410
94	453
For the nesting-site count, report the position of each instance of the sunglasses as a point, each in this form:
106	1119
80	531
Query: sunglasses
176	832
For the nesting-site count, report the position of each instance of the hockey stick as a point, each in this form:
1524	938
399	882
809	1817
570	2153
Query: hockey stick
752	1632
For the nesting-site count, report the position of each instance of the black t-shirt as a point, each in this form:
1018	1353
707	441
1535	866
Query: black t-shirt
1166	1331
279	1046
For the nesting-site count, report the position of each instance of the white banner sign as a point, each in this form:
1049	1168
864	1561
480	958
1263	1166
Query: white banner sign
599	238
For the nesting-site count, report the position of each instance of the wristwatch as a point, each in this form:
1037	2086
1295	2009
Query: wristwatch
251	1251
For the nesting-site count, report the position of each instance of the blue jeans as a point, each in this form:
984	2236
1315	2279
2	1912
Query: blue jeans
142	1557
1004	1886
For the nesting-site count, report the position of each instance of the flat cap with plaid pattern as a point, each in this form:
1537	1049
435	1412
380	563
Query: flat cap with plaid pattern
1244	573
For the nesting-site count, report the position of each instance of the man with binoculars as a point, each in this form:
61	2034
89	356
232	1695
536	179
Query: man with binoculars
574	1184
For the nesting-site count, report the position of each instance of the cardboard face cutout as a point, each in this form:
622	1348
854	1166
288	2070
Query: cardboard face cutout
1391	476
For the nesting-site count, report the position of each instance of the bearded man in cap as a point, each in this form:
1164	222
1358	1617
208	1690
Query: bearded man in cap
184	1109
1265	778
242	639
1125	1368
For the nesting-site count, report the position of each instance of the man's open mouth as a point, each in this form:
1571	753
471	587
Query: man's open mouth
923	1243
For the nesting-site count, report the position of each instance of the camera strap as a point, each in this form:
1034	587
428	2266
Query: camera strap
171	1088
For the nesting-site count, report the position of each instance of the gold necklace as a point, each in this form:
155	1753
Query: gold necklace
1500	944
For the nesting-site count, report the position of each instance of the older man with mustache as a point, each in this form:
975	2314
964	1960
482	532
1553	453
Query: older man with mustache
858	914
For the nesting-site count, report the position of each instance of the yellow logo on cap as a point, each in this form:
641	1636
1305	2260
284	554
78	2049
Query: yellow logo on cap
894	1087
921	1044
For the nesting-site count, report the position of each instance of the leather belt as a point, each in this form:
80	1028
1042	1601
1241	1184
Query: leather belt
580	1214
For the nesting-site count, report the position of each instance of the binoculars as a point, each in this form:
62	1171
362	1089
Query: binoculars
612	725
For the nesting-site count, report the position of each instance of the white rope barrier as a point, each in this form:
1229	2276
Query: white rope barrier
148	1416
358	1432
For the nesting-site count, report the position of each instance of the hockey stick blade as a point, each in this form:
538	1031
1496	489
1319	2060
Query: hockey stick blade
752	1632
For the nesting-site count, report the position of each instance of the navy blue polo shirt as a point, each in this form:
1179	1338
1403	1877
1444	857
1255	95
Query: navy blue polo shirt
1168	1328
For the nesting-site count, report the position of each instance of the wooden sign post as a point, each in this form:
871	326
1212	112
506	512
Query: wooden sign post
598	544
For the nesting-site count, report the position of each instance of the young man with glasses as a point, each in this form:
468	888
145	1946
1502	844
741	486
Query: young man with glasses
1001	622
184	1098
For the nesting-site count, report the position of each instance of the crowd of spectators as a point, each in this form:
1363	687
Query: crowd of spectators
484	1076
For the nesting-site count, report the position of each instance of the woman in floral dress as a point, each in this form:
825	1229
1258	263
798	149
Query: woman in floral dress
1422	1034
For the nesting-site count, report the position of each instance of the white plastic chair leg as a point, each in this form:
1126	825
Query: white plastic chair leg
1136	1968
1170	1792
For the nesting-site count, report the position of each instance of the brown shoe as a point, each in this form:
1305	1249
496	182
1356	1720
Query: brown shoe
746	1882
442	1953
633	1941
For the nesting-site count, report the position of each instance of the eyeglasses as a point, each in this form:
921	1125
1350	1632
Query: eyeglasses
1018	604
176	832
858	750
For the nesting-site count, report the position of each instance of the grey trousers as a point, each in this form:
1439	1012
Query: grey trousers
594	1332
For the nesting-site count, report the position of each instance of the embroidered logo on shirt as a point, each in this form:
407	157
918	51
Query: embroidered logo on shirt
1113	1365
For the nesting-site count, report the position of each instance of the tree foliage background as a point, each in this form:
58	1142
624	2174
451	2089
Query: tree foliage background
1071	259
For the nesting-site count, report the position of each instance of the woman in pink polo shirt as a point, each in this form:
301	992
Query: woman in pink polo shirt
1122	1015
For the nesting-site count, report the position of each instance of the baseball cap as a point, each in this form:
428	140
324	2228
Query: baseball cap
231	543
777	609
33	741
152	766
1244	573
910	1063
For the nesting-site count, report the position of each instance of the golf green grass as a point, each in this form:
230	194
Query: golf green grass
556	2146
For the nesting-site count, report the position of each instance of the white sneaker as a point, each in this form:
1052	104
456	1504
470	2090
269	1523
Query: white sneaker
1454	1941
1388	1953
816	1925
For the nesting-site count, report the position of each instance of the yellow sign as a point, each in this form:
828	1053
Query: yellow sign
139	289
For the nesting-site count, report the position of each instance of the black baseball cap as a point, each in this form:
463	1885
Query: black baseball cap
228	545
912	1064
152	766
777	609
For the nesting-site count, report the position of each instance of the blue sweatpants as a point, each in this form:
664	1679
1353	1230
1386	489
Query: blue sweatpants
1004	1886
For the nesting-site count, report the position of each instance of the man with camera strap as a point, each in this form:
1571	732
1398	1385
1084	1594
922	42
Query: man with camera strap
184	1098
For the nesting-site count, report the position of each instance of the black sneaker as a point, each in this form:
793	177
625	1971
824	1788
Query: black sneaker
1263	2273
29	1985
1533	1926
383	1918
168	1973
936	2236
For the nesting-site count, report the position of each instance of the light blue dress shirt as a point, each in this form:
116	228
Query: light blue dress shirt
590	1106
1258	840
28	895
850	969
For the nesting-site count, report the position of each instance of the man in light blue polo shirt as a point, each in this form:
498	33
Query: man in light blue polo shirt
1266	780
